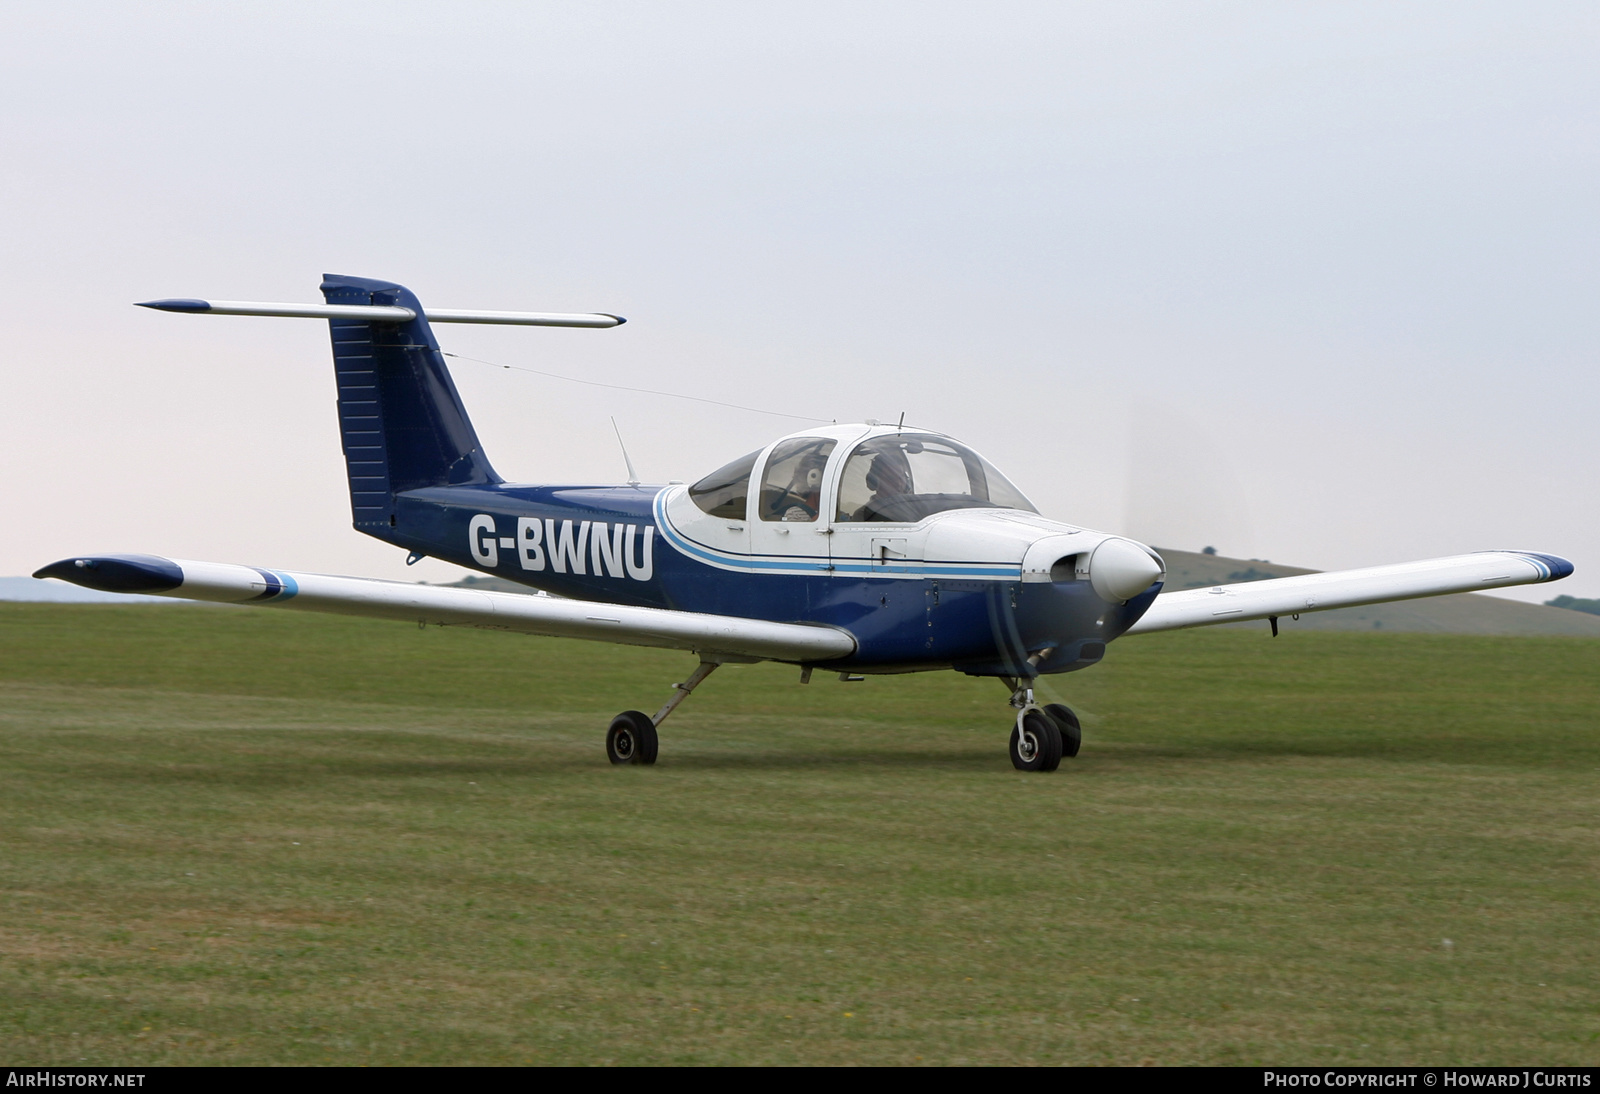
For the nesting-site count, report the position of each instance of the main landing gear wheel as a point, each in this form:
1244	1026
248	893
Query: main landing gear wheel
1035	743
632	739
1067	723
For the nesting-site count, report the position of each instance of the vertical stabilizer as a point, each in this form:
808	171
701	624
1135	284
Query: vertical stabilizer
400	417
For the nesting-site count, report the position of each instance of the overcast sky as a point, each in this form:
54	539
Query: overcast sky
1313	282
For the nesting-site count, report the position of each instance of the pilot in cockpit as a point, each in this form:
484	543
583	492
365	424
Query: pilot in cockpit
888	478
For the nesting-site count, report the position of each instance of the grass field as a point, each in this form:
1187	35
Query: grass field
241	836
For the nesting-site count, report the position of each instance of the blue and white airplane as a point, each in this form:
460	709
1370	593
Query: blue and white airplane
854	549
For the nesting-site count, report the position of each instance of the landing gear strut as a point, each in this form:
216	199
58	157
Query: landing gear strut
632	737
1043	734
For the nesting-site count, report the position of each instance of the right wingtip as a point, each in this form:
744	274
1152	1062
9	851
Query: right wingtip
1556	566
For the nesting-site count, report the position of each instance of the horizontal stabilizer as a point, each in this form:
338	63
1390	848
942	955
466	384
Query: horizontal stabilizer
381	314
708	635
1321	592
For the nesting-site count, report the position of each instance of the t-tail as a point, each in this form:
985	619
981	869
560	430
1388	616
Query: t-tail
401	420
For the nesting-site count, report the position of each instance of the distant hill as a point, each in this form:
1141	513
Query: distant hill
1572	603
50	591
1462	613
484	583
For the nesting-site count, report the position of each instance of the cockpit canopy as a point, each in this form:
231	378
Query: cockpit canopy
896	477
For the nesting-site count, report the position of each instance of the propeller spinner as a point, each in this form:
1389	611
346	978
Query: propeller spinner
1121	569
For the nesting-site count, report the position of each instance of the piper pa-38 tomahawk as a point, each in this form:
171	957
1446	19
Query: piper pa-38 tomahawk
851	549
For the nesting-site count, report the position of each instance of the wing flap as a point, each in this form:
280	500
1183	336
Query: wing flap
230	584
1348	589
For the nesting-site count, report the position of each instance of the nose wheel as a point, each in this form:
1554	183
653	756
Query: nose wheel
1067	723
1035	743
1042	734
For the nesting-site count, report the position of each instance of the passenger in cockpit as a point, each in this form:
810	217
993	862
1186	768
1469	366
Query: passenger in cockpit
806	489
791	485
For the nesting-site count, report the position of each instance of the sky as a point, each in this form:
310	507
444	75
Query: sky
1314	283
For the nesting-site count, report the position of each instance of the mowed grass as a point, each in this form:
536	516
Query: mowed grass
245	836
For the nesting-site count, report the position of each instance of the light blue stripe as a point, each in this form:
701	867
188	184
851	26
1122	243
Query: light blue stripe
291	587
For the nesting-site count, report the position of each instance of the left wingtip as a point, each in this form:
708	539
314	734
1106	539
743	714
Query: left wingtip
117	573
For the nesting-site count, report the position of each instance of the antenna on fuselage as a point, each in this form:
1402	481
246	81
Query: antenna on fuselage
633	477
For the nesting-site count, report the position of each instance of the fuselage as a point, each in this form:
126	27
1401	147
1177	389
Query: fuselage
991	591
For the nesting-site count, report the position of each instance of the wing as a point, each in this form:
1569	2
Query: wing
1348	589
729	636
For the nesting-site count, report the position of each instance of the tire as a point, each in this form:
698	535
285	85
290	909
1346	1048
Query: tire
632	739
1067	723
1041	751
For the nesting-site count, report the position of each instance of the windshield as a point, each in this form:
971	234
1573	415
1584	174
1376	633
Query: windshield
724	492
905	477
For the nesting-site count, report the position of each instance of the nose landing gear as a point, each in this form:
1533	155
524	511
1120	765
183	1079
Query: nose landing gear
1043	734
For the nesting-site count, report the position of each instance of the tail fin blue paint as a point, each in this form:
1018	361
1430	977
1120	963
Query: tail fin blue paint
400	417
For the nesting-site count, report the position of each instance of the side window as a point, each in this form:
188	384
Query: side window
724	492
791	488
